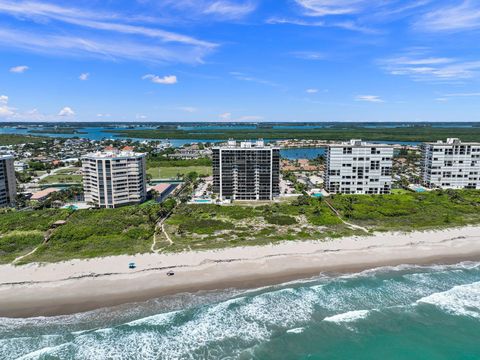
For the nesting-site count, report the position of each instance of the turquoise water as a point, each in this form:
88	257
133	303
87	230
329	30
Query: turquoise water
402	312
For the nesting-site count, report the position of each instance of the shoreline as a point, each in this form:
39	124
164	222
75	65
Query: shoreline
82	285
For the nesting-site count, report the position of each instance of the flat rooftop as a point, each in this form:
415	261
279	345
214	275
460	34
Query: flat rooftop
245	145
113	154
452	141
358	143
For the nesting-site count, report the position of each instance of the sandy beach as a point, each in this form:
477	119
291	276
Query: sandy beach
80	285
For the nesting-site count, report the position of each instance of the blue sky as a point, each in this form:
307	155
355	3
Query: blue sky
233	60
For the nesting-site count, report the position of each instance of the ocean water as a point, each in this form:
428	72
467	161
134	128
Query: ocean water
403	312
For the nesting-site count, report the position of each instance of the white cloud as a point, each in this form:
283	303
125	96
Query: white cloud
141	117
311	91
166	80
106	35
66	111
19	69
225	116
369	98
308	55
229	9
441	99
332	7
5	110
347	25
216	10
84	76
103	115
421	67
246	77
458	17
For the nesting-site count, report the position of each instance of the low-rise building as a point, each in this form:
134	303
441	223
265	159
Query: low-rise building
161	191
44	194
8	185
357	167
451	164
114	178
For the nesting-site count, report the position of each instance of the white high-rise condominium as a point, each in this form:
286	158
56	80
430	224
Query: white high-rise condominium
114	178
8	186
451	164
358	167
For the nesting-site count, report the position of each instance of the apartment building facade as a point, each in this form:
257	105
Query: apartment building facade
357	167
8	185
451	164
114	178
246	171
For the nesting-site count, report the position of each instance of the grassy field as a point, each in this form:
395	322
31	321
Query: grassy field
59	178
171	172
63	176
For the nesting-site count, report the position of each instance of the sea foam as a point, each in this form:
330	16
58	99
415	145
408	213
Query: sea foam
349	316
461	300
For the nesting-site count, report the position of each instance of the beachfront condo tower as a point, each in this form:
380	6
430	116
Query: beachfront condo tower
8	185
357	167
246	171
113	178
451	164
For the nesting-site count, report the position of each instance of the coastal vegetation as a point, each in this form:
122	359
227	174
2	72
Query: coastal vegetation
410	211
344	132
57	130
22	231
207	226
86	233
15	139
130	230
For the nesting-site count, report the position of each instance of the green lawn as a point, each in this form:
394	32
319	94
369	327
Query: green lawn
66	175
59	178
171	172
